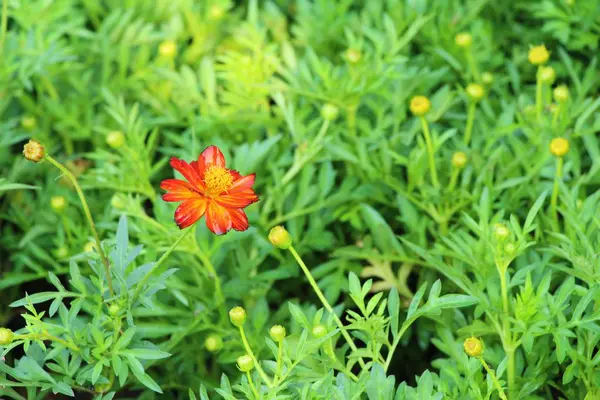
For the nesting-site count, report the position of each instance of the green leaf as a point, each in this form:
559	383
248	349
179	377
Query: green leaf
147	354
394	309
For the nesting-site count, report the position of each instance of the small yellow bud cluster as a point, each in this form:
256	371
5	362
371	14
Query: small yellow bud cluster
329	112
473	347
280	237
463	40
28	123
168	49
58	203
245	363
547	75
501	232
115	139
34	151
420	105
538	55
487	78
561	94
213	343
319	331
559	147
353	55
237	316
6	336
475	91
277	333
459	160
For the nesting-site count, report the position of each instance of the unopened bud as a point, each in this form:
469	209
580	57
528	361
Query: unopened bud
319	331
473	347
213	343
237	315
277	333
6	336
245	363
34	151
280	237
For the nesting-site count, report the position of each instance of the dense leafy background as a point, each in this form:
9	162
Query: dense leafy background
354	192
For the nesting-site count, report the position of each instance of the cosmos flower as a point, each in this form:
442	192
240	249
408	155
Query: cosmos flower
212	190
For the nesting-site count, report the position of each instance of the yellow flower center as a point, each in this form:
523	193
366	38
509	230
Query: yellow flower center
217	179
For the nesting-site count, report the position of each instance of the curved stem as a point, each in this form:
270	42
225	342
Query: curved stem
324	301
251	383
430	152
554	198
261	372
470	120
494	378
88	215
162	259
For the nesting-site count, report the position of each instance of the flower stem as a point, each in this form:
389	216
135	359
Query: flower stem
430	153
507	342
261	372
162	259
494	378
453	179
4	25
279	362
470	120
88	215
554	198
47	336
538	95
473	65
251	383
324	301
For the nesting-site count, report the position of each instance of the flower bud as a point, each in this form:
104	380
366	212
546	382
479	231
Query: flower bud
538	55
213	343
501	232
475	91
6	336
487	78
118	201
561	94
114	309
34	151
329	112
216	12
168	49
277	333
319	331
115	139
459	160
89	247
28	123
245	363
463	40
58	203
419	105
237	315
547	75
559	147
509	248
280	237
353	55
473	347
61	252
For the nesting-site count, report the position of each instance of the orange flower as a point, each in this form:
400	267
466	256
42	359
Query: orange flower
211	189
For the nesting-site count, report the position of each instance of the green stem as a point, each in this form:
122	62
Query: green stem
324	301
508	345
538	95
251	383
351	111
217	281
47	336
279	362
494	378
470	120
554	198
88	215
261	372
453	179
162	259
4	25
473	65
430	153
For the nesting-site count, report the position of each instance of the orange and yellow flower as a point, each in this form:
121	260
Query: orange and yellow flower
210	190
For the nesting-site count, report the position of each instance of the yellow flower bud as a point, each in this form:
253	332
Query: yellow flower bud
58	203
463	40
319	331
547	75
237	316
168	49
28	122
487	78
216	12
118	201
353	55
277	333
475	91
34	151
245	363
473	347
420	105
280	237
61	252
559	147
114	309
213	343
115	139
459	160
89	247
538	55
561	94
329	112
6	336
501	232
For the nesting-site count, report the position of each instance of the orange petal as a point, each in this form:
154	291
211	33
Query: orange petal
211	156
238	200
178	190
218	218
245	182
190	173
189	212
239	219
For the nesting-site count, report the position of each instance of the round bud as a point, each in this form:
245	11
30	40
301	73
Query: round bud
353	55
237	315
559	147
168	49
319	331
213	343
420	105
115	139
487	78
89	247
547	75
58	203
463	40
561	94
329	112
245	363
102	387
473	347
62	252
6	336
34	151
475	91
118	201
459	160
277	333
538	55
216	12
509	248
280	237
114	309
28	123
501	232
